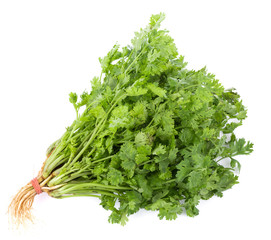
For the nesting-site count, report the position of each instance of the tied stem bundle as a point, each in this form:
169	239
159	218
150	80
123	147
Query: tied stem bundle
151	134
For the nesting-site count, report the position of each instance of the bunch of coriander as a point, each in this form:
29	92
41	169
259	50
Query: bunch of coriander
150	134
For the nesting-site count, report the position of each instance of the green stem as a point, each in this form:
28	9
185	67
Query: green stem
77	195
96	131
56	162
150	123
89	141
79	186
53	160
58	149
67	177
102	159
146	162
167	182
135	59
84	141
55	194
128	59
191	86
92	151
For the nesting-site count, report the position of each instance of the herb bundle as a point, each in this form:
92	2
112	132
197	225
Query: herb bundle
150	134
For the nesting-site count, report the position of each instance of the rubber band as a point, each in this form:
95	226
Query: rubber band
36	185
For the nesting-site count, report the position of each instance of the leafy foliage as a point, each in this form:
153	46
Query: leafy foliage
152	133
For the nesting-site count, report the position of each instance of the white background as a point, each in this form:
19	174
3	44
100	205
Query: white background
50	48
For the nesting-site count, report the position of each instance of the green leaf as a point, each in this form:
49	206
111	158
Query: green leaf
241	147
144	187
73	98
136	91
140	158
127	155
184	168
159	150
156	20
195	179
98	112
156	90
115	177
141	139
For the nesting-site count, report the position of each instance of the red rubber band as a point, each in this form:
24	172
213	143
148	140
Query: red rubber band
36	185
